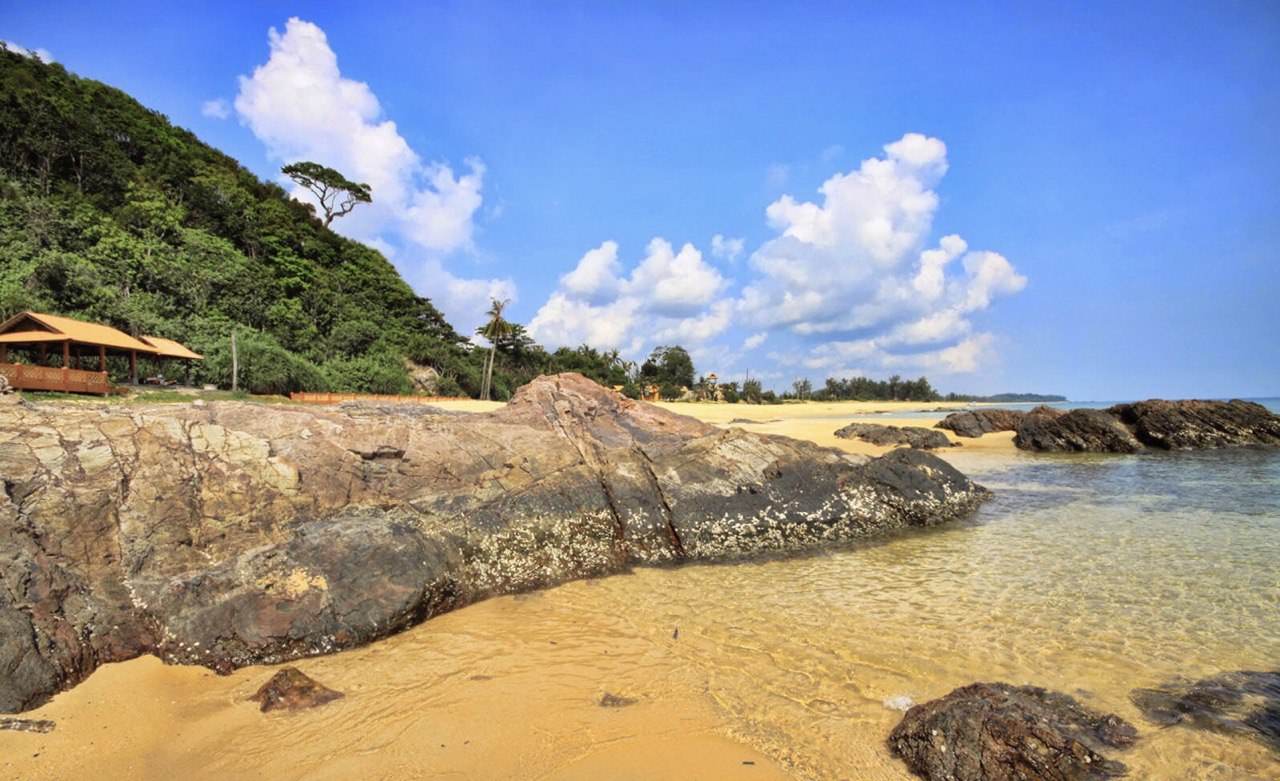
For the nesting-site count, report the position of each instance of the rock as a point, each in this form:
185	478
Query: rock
425	379
27	725
1078	431
5	387
1000	732
292	689
1238	703
911	436
975	423
1194	425
615	701
237	534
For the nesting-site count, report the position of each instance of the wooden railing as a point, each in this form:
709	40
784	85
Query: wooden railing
24	377
336	398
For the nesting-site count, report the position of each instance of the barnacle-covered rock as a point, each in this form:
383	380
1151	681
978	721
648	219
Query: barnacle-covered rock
236	533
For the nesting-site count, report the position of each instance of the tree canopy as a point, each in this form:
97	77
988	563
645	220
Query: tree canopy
337	194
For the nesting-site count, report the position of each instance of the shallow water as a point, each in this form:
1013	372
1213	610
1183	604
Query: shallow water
1087	574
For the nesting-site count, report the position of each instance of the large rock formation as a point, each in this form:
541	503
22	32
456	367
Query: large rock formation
1194	425
975	423
1000	732
911	436
238	533
1166	425
1078	431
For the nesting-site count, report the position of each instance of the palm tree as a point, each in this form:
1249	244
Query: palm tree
496	328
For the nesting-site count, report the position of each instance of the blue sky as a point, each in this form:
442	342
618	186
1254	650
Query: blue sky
1112	174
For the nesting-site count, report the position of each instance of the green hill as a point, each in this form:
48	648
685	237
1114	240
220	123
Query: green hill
108	212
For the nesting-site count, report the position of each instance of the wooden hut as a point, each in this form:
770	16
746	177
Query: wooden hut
44	338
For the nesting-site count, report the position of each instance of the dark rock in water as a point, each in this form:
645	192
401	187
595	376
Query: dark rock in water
236	533
975	423
1194	425
1000	732
292	689
1077	431
615	701
27	725
1239	703
912	436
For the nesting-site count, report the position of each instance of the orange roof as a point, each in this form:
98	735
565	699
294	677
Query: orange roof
31	337
167	348
80	331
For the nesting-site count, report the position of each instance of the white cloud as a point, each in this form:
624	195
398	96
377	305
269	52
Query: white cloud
216	108
856	264
755	340
301	107
43	55
669	296
726	248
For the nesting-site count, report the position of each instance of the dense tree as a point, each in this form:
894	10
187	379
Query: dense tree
670	368
337	194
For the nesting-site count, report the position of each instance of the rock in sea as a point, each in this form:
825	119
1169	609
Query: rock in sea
1245	702
238	533
911	436
1000	732
292	689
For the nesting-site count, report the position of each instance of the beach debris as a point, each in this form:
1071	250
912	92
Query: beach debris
610	700
911	436
292	689
1001	732
27	725
1242	702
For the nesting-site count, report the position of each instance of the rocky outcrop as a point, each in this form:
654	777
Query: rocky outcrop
238	533
1196	425
1078	431
1000	732
1166	425
910	436
292	689
1245	702
975	423
424	379
27	725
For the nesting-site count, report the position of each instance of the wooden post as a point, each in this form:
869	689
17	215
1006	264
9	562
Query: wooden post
102	358
43	352
66	364
235	365
133	367
4	353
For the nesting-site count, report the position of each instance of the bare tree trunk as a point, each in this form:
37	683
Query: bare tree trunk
487	384
235	365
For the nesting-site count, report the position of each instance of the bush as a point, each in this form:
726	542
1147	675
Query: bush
372	373
265	366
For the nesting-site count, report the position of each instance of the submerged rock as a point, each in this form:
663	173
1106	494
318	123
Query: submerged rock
1239	703
1078	431
238	533
975	423
911	436
27	725
616	701
1000	732
1195	425
292	689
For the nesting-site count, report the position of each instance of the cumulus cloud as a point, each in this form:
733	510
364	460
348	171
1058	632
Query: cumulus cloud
726	248
755	340
216	108
669	296
856	263
301	107
43	55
